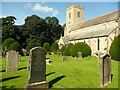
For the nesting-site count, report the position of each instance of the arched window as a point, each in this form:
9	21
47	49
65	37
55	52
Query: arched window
78	14
69	15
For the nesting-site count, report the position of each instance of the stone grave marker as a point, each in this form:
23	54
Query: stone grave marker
105	70
79	55
64	58
37	68
12	61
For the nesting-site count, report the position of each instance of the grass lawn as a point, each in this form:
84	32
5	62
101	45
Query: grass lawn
81	73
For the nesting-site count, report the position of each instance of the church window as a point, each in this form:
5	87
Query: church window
69	15
98	44
78	14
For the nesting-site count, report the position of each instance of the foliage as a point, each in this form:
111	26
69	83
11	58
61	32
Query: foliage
35	28
67	49
32	44
80	47
115	49
54	47
62	49
46	46
6	44
15	46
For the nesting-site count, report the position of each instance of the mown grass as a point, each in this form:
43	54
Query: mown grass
74	73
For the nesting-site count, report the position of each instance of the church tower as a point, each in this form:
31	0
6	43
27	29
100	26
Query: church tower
74	15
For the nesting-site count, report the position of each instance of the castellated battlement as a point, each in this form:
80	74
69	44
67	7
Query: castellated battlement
75	6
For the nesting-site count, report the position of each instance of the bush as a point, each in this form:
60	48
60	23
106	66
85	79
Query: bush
54	47
115	49
15	46
62	49
46	46
32	44
67	49
7	43
80	47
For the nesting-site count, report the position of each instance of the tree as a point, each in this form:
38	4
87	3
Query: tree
115	49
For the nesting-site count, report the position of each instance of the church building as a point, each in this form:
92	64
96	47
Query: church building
98	32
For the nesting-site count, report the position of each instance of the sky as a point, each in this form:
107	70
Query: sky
58	9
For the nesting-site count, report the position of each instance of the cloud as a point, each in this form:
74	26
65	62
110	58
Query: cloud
28	5
46	9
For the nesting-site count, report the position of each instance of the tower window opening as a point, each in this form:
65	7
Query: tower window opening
78	14
69	15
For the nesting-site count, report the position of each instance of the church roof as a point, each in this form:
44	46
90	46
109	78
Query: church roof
83	34
98	20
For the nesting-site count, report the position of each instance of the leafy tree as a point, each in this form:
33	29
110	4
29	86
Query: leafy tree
115	49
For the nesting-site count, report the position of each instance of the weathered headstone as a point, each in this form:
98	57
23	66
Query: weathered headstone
105	70
99	54
12	61
79	55
37	68
64	58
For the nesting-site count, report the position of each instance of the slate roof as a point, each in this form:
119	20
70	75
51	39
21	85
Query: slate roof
98	20
83	34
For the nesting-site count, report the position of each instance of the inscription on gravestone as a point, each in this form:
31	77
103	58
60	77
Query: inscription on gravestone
37	65
12	61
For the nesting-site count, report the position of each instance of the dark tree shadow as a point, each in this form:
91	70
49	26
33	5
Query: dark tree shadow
49	73
22	68
111	77
6	79
10	88
2	70
55	80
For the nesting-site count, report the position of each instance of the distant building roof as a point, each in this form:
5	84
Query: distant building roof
98	20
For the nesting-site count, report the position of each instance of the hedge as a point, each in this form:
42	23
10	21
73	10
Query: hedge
7	43
54	47
115	49
15	46
80	47
46	46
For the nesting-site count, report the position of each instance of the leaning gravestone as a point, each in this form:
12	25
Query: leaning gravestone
37	68
105	70
12	61
79	55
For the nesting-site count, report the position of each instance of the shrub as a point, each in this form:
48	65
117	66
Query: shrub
54	47
46	46
115	49
6	44
62	49
67	50
31	45
80	47
15	46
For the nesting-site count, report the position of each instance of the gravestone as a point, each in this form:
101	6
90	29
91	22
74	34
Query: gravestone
79	55
12	61
105	70
99	54
64	58
37	68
